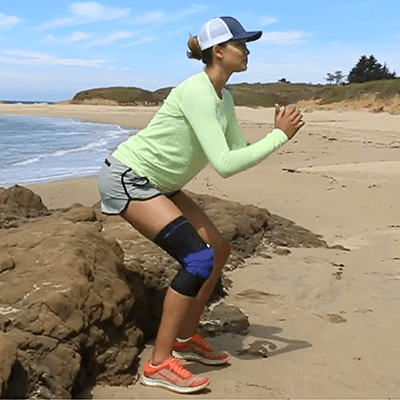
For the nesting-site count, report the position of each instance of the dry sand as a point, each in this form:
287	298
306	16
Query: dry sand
332	316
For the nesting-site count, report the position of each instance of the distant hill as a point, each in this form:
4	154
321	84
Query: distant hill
253	95
122	95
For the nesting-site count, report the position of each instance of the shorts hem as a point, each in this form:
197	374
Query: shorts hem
140	199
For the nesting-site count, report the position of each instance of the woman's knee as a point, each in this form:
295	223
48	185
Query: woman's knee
204	226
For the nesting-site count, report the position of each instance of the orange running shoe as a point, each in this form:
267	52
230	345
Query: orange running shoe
196	348
172	375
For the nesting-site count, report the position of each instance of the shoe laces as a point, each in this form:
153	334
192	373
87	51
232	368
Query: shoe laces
176	367
199	340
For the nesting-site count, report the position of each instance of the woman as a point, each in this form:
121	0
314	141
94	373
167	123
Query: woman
142	180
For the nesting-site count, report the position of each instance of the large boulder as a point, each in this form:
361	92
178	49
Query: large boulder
65	309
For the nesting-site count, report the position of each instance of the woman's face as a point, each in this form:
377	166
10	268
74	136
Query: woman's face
235	56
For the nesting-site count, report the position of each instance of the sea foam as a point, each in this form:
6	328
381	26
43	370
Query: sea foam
40	149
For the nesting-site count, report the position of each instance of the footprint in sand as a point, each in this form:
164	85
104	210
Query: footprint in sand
258	296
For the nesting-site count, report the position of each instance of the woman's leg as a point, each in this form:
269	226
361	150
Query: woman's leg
210	234
149	217
181	314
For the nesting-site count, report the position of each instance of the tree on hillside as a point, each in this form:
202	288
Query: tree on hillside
337	77
368	69
330	78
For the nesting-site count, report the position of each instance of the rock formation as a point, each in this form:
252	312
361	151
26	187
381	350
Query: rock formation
81	292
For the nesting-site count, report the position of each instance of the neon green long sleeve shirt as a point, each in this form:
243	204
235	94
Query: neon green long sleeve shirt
193	127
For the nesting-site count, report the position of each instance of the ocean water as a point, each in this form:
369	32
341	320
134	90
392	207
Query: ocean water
36	149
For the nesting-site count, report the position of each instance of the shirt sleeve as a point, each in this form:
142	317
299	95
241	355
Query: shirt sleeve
234	135
201	110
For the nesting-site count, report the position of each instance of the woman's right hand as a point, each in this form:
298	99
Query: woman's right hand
288	119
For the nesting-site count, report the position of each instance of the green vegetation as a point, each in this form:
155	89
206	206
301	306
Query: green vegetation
267	94
257	94
123	95
368	69
382	89
337	77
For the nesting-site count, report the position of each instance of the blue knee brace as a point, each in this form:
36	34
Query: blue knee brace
181	241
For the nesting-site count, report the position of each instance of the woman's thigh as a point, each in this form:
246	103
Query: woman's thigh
200	221
149	217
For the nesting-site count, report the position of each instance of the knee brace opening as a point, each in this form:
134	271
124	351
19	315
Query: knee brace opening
187	284
180	240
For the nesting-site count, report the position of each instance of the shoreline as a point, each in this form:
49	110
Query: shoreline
63	193
113	115
109	115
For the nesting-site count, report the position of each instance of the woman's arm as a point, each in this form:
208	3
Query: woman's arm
227	159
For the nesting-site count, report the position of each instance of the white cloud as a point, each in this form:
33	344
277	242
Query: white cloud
76	37
265	20
148	18
59	23
92	11
145	39
8	21
157	16
83	13
194	9
285	38
79	62
25	57
111	38
14	75
49	39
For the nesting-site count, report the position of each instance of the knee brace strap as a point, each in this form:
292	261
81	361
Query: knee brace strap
181	241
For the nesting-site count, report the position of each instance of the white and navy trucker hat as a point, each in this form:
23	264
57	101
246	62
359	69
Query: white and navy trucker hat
222	29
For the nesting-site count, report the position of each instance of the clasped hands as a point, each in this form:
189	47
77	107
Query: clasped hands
288	119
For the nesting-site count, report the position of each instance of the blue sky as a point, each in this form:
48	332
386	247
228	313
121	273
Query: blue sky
51	50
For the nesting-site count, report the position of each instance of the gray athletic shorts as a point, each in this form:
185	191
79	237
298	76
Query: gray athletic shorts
118	185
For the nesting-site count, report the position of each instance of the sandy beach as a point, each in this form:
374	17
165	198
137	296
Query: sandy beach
331	316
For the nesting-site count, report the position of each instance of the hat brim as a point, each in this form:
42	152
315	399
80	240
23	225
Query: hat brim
248	36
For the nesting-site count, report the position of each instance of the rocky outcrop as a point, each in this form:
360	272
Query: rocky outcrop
17	205
65	308
223	318
81	292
